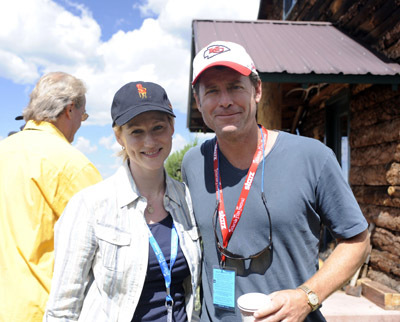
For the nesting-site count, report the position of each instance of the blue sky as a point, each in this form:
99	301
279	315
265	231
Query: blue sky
106	44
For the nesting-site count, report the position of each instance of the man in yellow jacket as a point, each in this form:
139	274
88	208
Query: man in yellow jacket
39	172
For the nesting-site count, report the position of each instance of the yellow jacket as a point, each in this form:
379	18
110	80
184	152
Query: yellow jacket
39	172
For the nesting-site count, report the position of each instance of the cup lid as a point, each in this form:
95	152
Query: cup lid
252	301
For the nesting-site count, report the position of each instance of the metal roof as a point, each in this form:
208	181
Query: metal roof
287	51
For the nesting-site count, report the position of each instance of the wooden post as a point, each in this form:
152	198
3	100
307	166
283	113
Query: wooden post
269	112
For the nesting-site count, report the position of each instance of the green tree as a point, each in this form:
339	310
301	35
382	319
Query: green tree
174	161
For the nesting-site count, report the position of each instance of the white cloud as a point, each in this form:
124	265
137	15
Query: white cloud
110	143
38	36
201	137
176	16
84	145
107	141
17	68
113	161
178	143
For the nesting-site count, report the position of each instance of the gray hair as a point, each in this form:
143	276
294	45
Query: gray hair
52	93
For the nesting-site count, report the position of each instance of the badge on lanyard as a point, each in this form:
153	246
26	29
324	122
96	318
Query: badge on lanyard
224	287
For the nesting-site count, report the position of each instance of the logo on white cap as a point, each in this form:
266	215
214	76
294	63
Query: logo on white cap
214	50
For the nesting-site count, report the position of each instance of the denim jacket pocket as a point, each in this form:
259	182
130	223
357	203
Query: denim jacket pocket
112	246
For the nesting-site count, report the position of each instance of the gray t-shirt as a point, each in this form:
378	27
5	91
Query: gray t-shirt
304	188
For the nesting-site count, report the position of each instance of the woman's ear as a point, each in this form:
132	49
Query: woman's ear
118	136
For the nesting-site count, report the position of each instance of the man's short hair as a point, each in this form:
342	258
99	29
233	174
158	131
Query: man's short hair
53	92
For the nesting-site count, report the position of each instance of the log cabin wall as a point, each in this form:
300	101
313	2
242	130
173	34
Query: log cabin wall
375	174
374	139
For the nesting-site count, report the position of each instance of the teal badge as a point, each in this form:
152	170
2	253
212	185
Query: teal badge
224	288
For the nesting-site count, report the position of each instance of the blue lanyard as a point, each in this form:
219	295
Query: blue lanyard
166	271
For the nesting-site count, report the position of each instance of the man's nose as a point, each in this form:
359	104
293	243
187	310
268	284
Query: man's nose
225	99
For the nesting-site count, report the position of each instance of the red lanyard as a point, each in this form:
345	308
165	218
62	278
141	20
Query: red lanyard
258	155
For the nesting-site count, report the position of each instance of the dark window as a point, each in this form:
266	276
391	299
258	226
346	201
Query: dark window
287	7
337	130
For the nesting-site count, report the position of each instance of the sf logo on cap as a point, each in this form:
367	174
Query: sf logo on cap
142	91
214	50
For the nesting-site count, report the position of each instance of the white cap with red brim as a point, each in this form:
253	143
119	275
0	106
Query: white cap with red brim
223	53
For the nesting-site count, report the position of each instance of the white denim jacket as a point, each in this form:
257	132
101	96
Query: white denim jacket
102	247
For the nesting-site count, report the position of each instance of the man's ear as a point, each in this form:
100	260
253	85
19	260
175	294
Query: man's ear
258	92
197	99
68	110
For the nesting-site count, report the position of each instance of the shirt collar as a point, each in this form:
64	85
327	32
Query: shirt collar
44	126
128	192
171	191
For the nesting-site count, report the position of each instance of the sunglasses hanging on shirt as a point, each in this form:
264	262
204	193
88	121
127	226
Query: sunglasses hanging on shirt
259	262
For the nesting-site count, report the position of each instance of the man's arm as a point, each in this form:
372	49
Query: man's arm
292	305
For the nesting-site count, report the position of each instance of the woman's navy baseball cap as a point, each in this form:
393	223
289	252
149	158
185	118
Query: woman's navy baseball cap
135	98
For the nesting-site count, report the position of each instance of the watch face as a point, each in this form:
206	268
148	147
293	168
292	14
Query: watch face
313	298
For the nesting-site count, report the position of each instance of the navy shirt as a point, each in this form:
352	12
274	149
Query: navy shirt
151	306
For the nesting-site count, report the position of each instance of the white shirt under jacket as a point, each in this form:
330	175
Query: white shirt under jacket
102	247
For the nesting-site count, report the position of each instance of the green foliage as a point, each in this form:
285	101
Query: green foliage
174	161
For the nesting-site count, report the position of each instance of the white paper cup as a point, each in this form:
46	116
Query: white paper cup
250	302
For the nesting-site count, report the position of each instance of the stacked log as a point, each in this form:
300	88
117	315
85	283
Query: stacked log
375	174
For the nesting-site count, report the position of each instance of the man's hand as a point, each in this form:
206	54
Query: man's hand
292	305
286	305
